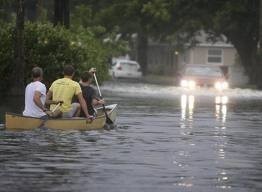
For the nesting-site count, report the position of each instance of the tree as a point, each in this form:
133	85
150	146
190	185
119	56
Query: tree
237	20
239	23
61	13
19	60
6	7
260	28
129	18
31	9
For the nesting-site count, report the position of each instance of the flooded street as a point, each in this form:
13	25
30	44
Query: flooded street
166	140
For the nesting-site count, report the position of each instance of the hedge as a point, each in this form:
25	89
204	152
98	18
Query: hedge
51	48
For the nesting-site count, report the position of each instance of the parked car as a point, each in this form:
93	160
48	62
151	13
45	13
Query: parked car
203	76
125	69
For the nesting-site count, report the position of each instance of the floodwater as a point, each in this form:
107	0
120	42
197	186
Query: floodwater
166	140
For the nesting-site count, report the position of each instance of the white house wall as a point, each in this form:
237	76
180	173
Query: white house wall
199	55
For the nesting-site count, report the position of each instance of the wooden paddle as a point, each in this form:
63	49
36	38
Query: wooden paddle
108	120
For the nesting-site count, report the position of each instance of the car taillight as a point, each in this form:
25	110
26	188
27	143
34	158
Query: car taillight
119	68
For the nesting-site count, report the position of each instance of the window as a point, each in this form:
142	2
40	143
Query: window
214	56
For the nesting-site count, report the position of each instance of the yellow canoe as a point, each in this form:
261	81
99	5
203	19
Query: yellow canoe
20	122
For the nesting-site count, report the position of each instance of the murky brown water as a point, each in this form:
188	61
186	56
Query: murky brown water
165	141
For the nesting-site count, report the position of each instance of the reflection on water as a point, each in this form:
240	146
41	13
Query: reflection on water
221	100
187	103
221	112
187	106
221	107
166	143
187	111
221	136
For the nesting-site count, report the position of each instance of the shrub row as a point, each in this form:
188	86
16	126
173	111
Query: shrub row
51	48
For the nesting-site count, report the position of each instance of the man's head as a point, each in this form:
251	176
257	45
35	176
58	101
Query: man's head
86	76
37	72
69	70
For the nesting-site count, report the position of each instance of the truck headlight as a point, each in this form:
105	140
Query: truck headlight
191	84
188	84
184	83
221	85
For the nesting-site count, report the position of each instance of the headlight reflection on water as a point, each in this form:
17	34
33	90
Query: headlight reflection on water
188	105
221	112
221	107
221	100
187	102
221	136
220	130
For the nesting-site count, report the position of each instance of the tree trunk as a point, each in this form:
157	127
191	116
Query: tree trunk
142	51
259	56
260	28
17	85
62	13
31	10
247	53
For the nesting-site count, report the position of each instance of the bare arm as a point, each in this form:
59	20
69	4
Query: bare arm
97	101
49	100
37	100
49	97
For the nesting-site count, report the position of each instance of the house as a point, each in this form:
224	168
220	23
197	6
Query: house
164	58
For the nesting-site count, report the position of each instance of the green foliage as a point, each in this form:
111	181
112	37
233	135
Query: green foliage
6	55
6	11
51	48
4	2
83	18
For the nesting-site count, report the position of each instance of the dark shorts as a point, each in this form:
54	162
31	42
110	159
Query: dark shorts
45	117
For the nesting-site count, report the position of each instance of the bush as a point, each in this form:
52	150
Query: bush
51	48
6	56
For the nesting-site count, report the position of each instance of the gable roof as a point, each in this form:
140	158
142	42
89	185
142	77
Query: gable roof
205	41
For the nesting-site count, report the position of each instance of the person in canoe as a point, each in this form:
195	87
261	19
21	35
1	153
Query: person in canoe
89	92
65	89
35	96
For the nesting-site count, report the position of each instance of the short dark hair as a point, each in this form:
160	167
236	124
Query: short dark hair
37	72
85	76
69	70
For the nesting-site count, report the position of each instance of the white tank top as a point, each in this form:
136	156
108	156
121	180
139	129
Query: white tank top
31	109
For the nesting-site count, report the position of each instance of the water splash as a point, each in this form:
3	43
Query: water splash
162	91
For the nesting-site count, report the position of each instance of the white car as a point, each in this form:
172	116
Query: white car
125	69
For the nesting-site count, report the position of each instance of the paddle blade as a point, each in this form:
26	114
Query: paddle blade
109	121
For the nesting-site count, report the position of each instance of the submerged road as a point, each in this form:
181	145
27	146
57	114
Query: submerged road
166	140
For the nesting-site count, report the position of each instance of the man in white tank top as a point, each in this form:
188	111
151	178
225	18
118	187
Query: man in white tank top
35	96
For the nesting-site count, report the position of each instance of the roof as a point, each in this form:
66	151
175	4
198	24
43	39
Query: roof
205	41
